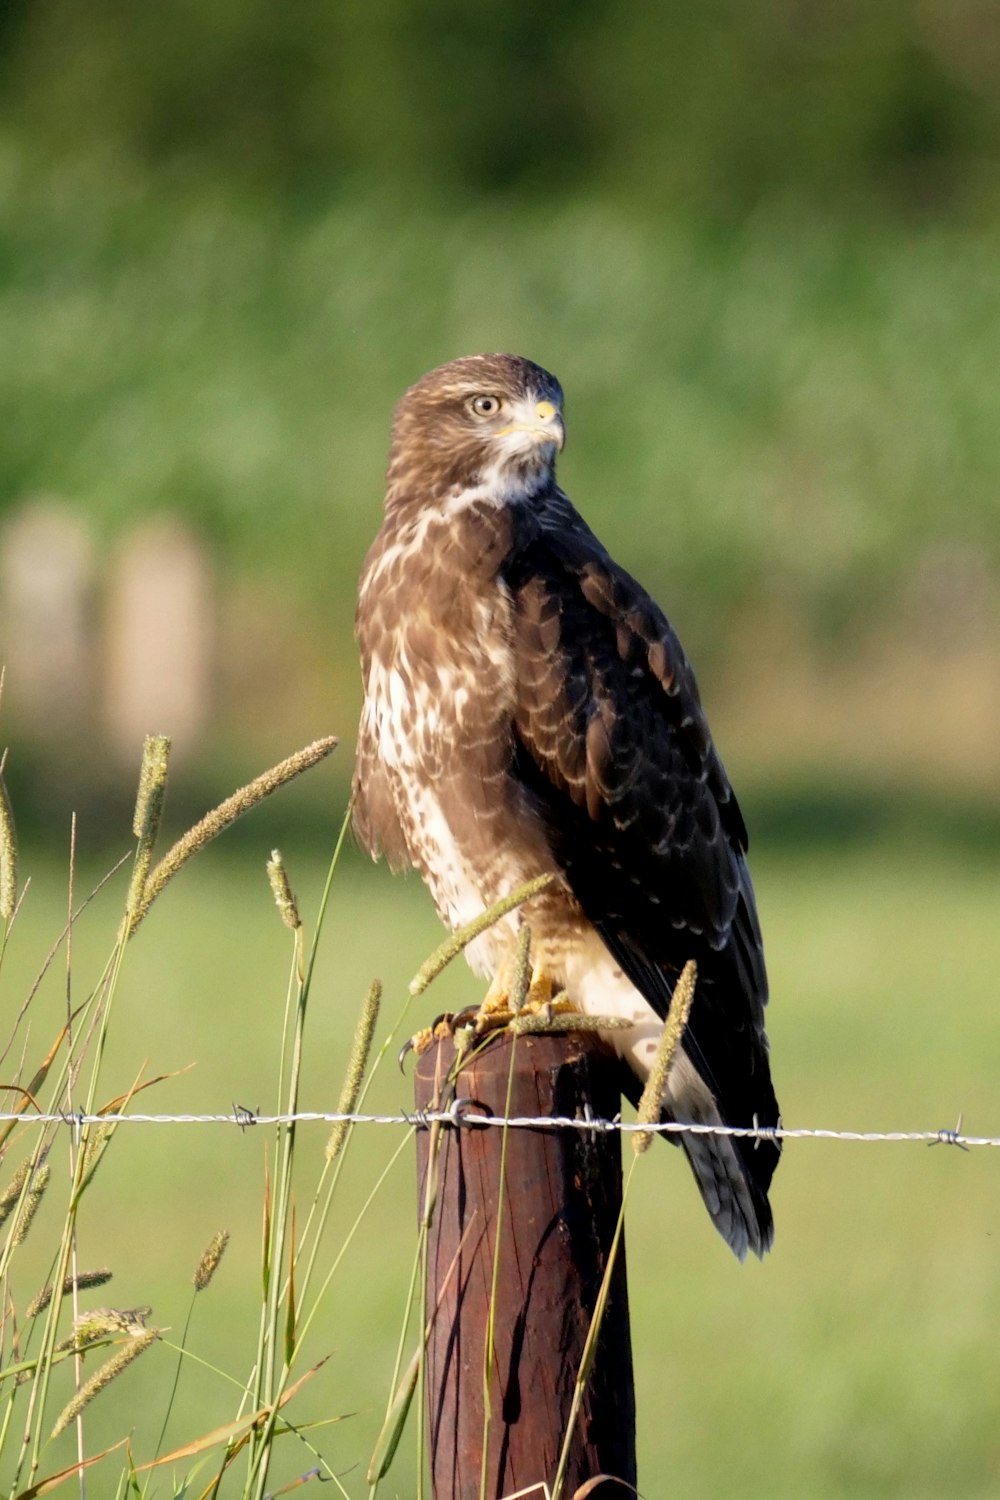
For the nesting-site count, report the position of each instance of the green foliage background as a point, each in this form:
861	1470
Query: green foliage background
717	107
758	245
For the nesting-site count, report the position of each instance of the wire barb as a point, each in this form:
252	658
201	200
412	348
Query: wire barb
946	1137
76	1119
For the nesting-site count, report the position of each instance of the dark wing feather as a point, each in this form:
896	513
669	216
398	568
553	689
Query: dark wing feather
613	750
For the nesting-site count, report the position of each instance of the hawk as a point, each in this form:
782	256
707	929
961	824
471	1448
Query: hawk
529	709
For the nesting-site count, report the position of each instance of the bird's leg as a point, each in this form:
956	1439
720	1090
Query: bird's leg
520	991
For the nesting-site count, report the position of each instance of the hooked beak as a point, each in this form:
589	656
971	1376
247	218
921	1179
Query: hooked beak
550	427
541	425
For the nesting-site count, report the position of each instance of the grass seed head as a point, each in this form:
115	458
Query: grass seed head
651	1103
11	1193
98	1139
8	856
281	889
209	1263
103	1377
29	1206
78	1283
152	787
148	810
102	1322
213	823
354	1077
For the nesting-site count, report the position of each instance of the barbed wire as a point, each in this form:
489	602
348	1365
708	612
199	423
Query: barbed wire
470	1114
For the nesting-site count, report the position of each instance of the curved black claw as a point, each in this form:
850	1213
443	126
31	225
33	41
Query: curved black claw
451	1021
424	1036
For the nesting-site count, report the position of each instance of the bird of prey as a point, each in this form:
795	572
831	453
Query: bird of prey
528	709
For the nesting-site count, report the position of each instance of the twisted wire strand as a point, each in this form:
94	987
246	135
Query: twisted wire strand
466	1113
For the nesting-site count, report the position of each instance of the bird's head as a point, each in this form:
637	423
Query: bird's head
489	420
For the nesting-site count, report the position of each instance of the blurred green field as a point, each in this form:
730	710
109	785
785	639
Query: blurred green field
858	1361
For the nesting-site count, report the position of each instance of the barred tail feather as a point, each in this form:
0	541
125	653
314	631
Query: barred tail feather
739	1210
736	1202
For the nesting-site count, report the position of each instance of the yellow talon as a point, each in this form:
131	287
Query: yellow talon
498	1009
542	1004
424	1039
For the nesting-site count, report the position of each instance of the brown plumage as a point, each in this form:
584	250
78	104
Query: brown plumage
528	708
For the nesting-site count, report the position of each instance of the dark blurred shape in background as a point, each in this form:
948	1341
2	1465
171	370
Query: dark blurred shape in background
714	108
757	244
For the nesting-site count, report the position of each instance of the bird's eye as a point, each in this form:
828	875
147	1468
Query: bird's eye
485	406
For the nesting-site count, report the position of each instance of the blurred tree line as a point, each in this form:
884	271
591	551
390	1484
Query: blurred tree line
713	106
758	244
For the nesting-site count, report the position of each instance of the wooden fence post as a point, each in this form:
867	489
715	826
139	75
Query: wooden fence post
557	1215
